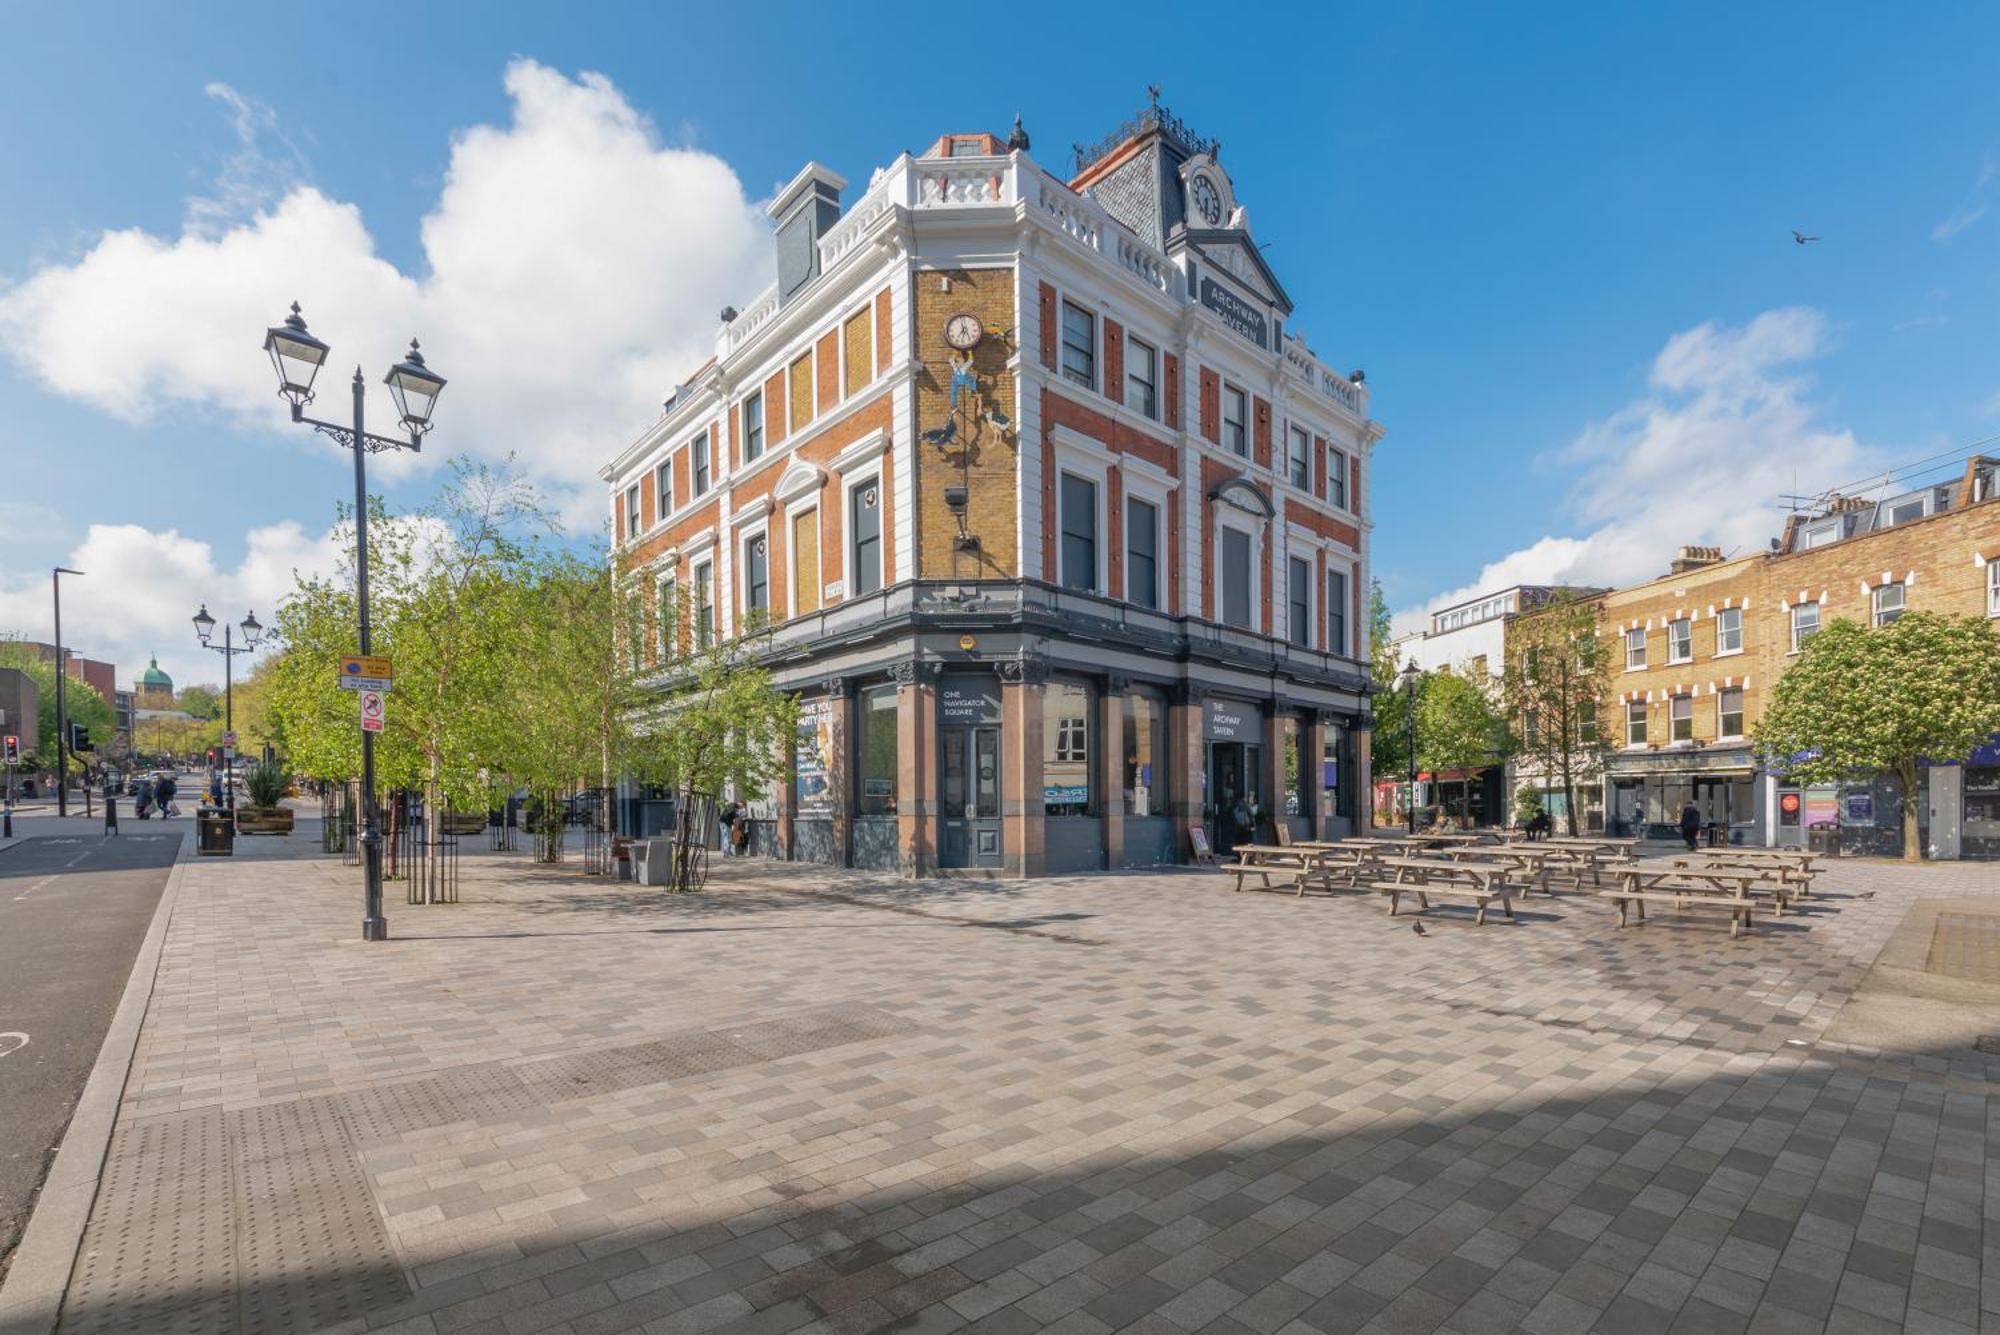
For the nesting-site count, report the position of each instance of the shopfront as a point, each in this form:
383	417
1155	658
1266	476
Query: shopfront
1149	828
1072	801
813	773
1233	797
1648	794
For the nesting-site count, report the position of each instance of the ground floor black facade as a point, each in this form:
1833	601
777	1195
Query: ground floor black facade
1022	730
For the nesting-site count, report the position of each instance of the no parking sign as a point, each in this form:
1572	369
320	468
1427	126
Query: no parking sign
371	711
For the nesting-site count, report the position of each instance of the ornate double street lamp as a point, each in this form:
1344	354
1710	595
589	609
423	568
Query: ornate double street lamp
204	626
1410	678
297	357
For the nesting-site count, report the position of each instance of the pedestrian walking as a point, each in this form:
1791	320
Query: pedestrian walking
164	789
142	798
1690	825
728	821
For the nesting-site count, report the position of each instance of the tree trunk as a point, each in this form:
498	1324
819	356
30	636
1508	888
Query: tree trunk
1906	776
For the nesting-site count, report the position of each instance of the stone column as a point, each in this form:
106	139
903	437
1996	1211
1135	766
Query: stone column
916	769
1361	740
1277	779
1111	766
840	692
1313	738
1185	757
1021	683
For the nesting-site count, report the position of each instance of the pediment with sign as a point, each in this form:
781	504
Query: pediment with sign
1237	255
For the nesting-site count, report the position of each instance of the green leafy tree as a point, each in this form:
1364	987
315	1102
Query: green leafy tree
1554	685
1458	727
722	720
1388	743
81	700
203	702
1861	702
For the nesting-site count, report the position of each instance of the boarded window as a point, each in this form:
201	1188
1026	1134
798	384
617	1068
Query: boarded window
802	391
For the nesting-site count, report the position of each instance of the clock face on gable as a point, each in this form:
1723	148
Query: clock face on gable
1206	198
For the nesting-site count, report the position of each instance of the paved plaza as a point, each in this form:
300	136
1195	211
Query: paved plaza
808	1101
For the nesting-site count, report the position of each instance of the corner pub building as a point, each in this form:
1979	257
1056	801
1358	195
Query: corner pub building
1060	529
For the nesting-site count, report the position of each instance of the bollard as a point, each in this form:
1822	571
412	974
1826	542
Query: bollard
110	814
7	822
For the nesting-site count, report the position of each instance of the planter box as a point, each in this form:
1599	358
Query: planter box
276	820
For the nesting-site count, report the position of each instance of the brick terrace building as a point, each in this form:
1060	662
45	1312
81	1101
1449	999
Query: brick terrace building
1062	529
1698	652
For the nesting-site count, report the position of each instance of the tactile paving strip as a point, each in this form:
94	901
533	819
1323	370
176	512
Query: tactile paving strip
260	1221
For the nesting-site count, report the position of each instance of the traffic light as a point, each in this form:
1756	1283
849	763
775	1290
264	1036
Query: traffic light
79	739
12	747
211	757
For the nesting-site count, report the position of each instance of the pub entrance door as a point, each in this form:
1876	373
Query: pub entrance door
969	797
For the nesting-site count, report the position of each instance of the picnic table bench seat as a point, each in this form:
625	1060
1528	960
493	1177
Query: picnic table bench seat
1632	905
1480	895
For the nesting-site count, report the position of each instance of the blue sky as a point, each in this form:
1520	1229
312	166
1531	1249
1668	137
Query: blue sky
1558	239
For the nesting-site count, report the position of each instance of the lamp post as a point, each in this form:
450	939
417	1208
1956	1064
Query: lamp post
1410	678
204	626
297	356
62	704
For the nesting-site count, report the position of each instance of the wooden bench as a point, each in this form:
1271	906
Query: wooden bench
1292	865
1424	877
1632	904
1480	896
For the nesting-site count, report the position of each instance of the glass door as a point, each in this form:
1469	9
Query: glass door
969	797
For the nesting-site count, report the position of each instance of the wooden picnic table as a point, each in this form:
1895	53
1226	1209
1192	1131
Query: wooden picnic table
1797	875
1532	863
1724	889
1297	863
1424	877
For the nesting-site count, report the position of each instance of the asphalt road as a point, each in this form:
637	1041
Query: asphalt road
73	910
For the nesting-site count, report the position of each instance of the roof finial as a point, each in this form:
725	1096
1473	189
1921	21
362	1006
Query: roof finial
1017	142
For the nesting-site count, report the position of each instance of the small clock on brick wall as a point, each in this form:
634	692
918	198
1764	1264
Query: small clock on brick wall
963	331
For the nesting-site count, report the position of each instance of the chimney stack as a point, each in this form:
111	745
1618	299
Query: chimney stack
1694	558
804	211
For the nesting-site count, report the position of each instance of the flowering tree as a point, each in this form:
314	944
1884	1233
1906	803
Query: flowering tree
1862	702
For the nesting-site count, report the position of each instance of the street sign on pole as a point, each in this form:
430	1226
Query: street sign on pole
229	738
359	672
371	711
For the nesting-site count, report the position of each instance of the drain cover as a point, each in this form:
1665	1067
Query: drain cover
1965	945
1989	1044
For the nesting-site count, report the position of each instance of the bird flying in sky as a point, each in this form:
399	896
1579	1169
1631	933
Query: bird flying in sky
1801	237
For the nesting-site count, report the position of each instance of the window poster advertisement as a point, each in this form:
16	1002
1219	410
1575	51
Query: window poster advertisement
1822	807
815	757
1859	809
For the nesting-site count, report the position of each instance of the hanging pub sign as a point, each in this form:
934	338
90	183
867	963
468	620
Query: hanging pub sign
1231	721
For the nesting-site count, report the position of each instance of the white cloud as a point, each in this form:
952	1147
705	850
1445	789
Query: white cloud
140	589
1725	428
575	263
1959	220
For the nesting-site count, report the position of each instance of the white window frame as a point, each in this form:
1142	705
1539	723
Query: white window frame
1299	467
1095	481
1728	621
633	526
703	573
1313	598
697	451
759	533
1797	626
666	607
1875	608
756	396
1680	710
1638	643
663	487
1160	556
1064	347
1345	573
1253	531
848	563
1680	640
1993	588
1638	719
1337	476
1151	411
1721	712
1243	396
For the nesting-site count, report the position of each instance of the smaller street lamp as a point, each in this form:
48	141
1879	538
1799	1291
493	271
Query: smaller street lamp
253	631
1410	678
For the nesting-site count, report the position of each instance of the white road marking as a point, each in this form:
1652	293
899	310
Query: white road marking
31	889
12	1042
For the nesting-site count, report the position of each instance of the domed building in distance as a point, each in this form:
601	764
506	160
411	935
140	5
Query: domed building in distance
154	689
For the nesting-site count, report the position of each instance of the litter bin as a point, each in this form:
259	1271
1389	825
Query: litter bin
643	870
1824	840
214	832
